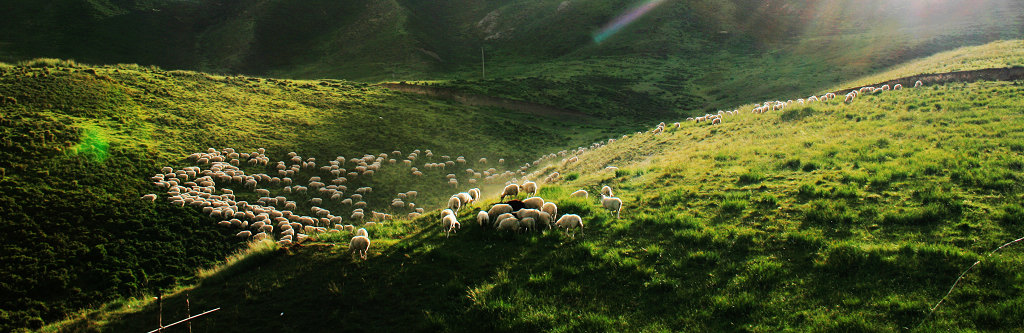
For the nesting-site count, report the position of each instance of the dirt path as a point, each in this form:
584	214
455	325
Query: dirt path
987	74
482	100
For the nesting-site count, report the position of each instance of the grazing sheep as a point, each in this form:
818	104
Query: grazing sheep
551	208
361	232
579	194
897	87
528	223
612	204
716	121
849	98
510	223
511	190
533	202
244	234
454	203
464	197
499	209
447	212
449	224
918	84
482	217
606	191
570	221
359	244
151	197
530	188
474	193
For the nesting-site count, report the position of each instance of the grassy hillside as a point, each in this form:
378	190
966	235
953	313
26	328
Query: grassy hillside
81	142
834	217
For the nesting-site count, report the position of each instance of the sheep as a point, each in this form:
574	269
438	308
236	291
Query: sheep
570	221
511	190
447	212
533	202
537	215
613	204
449	224
579	194
510	223
474	193
361	232
454	203
897	87
716	121
359	244
530	187
918	84
499	209
551	208
849	98
482	217
606	190
244	234
151	197
528	223
464	197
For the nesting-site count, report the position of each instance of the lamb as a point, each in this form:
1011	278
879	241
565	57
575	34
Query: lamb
511	190
533	202
499	209
551	208
606	190
613	204
449	224
359	244
454	203
570	221
579	194
482	217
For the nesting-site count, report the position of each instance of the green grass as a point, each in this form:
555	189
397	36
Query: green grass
80	143
869	210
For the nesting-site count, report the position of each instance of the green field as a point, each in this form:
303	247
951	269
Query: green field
80	143
832	217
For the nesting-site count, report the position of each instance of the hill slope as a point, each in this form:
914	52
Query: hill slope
834	216
678	56
80	144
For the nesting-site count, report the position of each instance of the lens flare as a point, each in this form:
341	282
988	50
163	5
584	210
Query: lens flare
625	19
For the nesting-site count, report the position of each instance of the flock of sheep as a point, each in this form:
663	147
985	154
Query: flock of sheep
530	214
212	183
273	216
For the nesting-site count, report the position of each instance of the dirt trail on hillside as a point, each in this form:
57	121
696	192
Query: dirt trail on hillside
483	100
987	74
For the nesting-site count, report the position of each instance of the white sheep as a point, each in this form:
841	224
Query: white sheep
359	244
475	194
606	191
244	234
570	221
533	202
499	209
454	203
918	84
530	187
449	224
482	218
510	223
362	232
511	190
579	194
151	197
897	87
464	197
613	204
551	208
